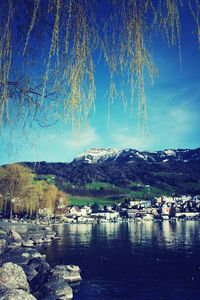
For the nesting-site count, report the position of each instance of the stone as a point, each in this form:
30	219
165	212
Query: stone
56	237
50	234
38	241
15	235
37	283
12	276
3	244
38	255
40	265
70	273
58	287
73	268
15	294
3	234
25	254
28	243
30	272
47	240
14	245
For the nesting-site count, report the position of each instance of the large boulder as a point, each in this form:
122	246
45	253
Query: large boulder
37	271
70	273
20	255
40	265
57	288
15	236
12	276
16	295
37	283
30	272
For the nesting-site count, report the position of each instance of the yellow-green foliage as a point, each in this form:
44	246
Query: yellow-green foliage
20	192
72	31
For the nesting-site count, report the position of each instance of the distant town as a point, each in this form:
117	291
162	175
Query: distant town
159	208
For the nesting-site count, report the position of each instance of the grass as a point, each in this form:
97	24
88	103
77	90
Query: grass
81	201
136	184
49	178
98	185
136	190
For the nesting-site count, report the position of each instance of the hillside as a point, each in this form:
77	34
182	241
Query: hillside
115	173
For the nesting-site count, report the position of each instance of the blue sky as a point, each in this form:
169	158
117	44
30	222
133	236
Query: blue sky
173	105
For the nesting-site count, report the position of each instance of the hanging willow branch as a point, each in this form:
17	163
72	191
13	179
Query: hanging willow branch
53	45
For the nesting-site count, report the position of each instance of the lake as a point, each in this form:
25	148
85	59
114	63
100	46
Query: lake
136	260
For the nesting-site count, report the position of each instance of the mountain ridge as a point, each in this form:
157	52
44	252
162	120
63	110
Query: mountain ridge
170	171
95	155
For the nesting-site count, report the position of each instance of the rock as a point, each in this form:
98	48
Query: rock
12	276
39	265
70	273
14	245
28	243
15	235
73	268
30	272
38	255
32	253
21	255
38	241
15	294
37	283
58	287
14	255
25	254
47	240
48	228
3	244
50	234
3	234
56	237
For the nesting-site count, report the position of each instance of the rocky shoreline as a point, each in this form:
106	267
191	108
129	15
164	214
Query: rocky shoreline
24	272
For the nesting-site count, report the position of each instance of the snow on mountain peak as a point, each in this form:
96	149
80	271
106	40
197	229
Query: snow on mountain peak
98	155
95	155
169	152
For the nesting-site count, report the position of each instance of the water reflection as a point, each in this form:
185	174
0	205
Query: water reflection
150	260
166	234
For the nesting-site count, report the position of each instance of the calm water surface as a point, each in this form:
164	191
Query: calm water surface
132	261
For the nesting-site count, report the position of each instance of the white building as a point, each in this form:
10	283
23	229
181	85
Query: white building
108	215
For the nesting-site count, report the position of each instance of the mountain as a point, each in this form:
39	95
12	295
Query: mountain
97	155
100	155
101	171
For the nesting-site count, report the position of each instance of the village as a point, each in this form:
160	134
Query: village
160	208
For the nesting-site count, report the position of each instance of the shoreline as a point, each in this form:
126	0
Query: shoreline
21	260
31	226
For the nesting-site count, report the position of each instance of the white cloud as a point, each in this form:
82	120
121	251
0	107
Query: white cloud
55	145
83	139
124	138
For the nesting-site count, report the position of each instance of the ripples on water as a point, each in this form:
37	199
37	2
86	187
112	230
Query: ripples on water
132	261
